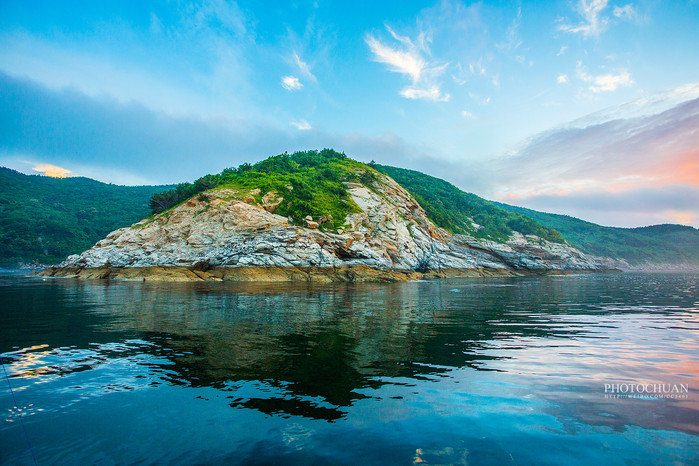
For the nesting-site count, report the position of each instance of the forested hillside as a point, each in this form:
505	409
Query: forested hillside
456	210
658	244
45	219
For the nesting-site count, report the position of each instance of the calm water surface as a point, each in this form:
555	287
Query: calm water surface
472	371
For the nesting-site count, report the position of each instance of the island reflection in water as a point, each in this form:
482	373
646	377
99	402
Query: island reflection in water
441	371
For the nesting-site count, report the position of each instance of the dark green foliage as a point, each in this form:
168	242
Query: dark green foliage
160	202
316	179
311	183
658	244
450	208
46	219
368	178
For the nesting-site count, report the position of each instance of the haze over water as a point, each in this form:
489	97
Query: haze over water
477	371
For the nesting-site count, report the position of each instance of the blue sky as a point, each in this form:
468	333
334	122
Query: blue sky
585	107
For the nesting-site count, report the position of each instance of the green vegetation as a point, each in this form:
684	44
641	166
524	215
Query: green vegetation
310	183
46	219
454	210
659	244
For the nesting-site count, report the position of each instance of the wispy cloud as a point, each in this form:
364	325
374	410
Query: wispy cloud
291	83
432	93
512	40
301	125
405	62
479	99
593	23
604	82
624	12
304	67
216	83
412	59
649	104
562	78
646	164
477	68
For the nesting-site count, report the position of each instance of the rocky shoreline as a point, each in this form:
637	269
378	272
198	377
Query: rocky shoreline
357	274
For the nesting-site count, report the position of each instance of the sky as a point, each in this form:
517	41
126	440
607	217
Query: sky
583	107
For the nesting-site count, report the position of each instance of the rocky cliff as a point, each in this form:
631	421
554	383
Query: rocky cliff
226	234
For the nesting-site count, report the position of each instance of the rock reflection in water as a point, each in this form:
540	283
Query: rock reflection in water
362	353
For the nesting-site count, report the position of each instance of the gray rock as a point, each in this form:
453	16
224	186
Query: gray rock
391	232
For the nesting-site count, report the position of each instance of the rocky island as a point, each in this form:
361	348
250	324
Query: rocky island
316	216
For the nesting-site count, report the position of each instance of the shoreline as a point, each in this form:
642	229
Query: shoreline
358	274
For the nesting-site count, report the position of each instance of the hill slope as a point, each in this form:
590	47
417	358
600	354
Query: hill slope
457	211
317	180
45	219
658	244
308	216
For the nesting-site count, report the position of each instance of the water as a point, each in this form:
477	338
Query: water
473	371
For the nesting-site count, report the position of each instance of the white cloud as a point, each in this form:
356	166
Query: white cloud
404	39
432	93
479	99
291	83
301	125
411	58
512	39
610	82
460	76
562	51
304	67
624	12
593	22
477	68
604	82
562	78
405	62
467	114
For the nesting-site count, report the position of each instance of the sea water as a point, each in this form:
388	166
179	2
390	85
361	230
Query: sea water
580	369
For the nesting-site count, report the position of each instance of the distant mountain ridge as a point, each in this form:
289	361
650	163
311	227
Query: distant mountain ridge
44	219
666	244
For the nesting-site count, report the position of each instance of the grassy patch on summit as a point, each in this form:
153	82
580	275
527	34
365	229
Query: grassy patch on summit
310	183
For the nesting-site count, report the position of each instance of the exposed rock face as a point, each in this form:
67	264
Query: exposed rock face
391	233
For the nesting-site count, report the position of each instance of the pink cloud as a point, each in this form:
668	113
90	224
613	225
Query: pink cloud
604	170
